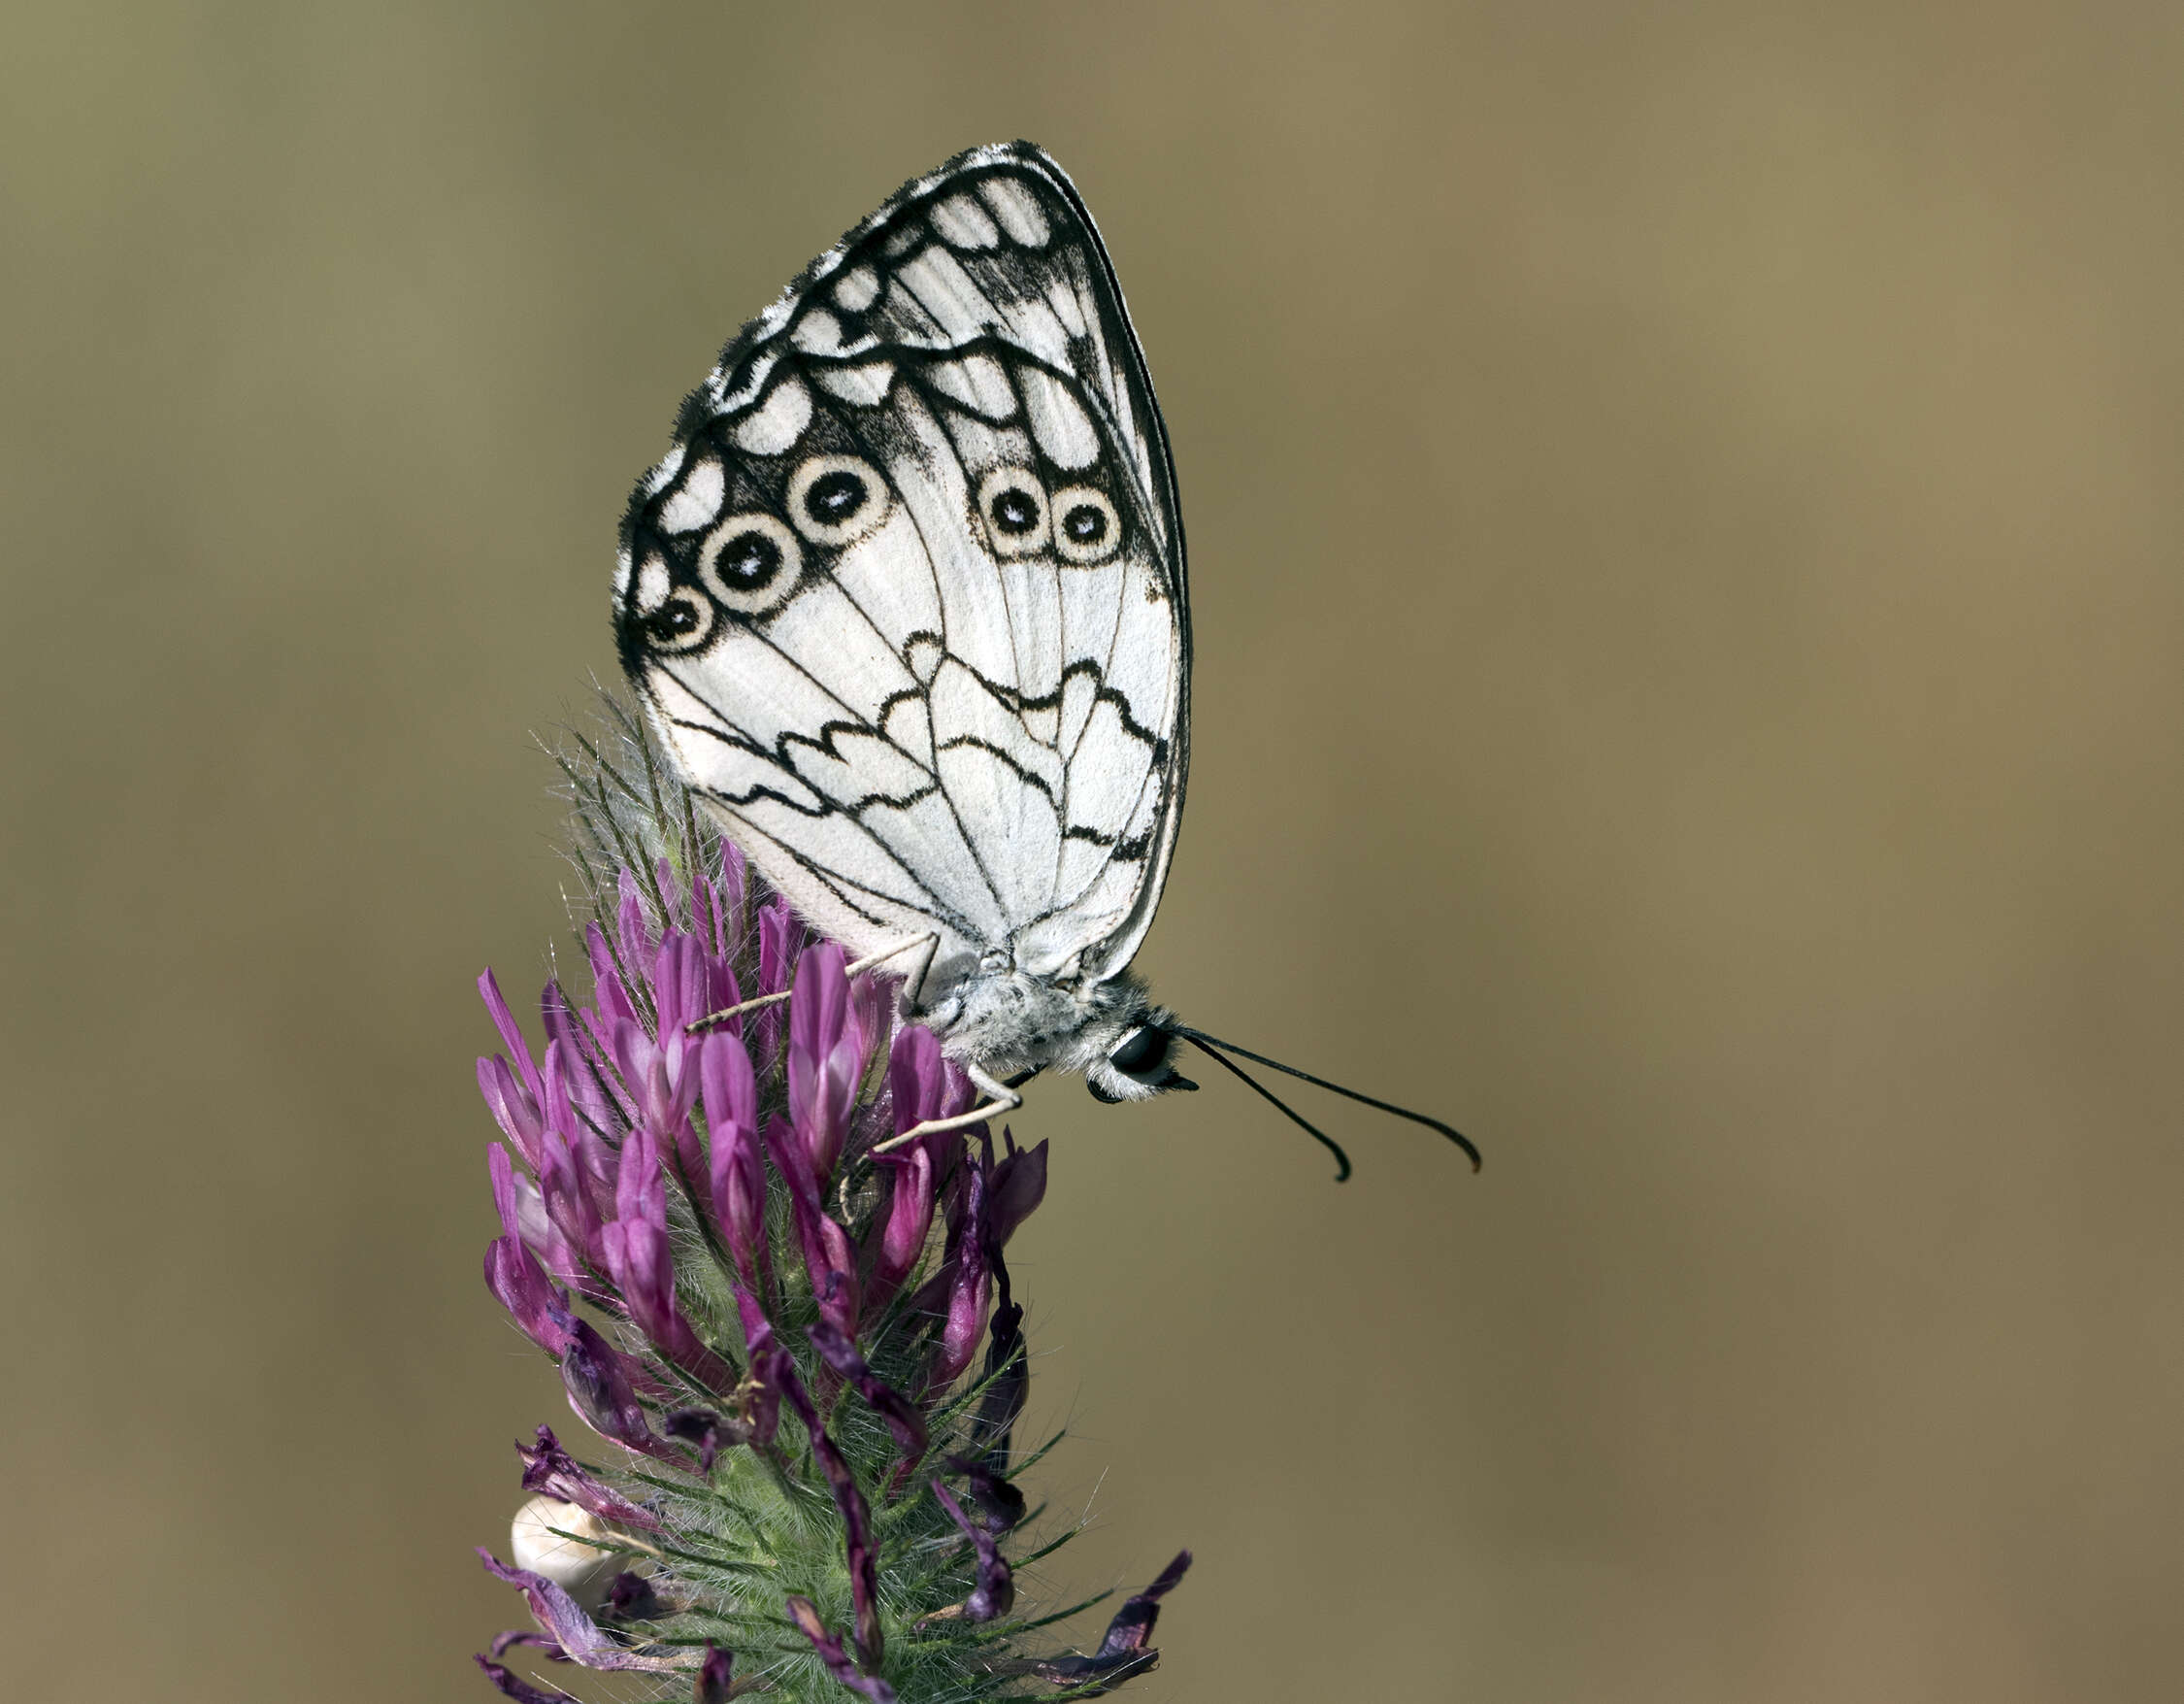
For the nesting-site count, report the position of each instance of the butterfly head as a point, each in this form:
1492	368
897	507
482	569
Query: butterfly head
1134	1056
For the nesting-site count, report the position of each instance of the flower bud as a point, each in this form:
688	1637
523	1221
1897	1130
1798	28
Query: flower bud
583	1572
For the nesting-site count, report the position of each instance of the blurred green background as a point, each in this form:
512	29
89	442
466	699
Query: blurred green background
1687	519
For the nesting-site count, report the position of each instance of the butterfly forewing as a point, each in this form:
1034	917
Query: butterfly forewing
907	598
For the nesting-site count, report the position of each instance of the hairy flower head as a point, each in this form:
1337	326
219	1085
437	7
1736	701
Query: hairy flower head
788	1344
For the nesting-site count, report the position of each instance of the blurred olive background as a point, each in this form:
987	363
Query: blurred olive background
1687	522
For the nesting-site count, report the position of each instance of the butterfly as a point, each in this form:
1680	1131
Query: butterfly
906	605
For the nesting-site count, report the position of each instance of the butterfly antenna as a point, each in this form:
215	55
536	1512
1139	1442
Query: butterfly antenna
1207	1044
1288	1111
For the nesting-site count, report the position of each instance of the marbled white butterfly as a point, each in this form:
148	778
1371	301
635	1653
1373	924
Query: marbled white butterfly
906	604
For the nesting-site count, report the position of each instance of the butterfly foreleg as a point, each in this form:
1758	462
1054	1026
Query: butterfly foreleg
913	981
931	944
737	1011
999	1098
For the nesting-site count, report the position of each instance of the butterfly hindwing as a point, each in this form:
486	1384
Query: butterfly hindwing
907	598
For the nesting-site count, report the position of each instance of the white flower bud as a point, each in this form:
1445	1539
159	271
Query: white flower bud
580	1570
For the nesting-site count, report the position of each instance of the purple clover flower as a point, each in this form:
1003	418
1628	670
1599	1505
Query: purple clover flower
761	1317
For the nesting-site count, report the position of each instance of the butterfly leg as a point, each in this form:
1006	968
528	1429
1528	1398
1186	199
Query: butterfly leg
931	944
913	983
999	1098
727	1012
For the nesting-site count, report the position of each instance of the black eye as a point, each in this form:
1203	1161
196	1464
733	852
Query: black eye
1086	527
834	497
676	621
1014	511
681	623
1085	524
749	560
1144	1052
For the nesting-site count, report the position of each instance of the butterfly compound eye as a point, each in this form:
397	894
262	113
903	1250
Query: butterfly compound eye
749	564
1144	1052
836	499
1087	528
1013	505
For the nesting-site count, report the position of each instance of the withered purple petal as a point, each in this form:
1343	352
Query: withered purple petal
631	1598
996	1589
512	1685
715	1675
770	1365
1015	1189
856	1514
594	1373
1007	1372
840	1354
1132	1623
997	1500
1123	1654
563	1619
758	1330
711	1432
806	1614
551	1469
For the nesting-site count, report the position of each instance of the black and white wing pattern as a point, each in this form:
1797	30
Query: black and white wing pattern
906	601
